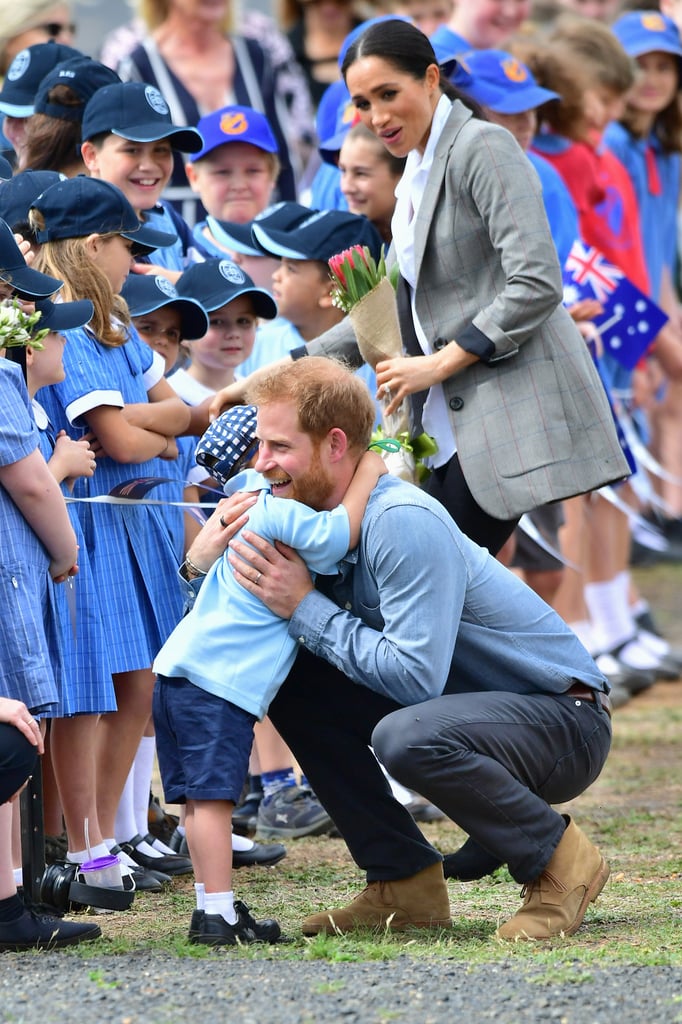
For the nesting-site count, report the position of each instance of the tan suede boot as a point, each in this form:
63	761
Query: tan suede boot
420	901
555	903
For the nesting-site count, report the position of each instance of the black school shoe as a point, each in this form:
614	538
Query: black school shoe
40	931
169	864
213	929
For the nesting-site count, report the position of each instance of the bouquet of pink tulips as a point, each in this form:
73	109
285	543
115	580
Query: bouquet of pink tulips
363	291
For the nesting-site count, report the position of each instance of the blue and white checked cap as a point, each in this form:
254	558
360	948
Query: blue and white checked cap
229	443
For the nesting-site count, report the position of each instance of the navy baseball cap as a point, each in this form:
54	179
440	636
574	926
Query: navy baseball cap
229	443
145	294
496	79
26	282
336	114
83	75
320	236
18	194
647	32
5	170
235	124
239	237
27	71
64	316
81	206
216	282
137	112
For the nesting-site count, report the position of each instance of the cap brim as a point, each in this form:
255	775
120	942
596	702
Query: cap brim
64	316
518	102
263	303
330	148
193	316
187	140
146	240
29	283
16	109
237	237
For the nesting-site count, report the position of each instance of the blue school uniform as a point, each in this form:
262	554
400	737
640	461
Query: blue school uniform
25	669
657	191
87	686
131	548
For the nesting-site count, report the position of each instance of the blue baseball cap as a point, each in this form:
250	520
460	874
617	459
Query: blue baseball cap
83	75
239	237
320	236
81	206
5	170
27	71
216	282
336	114
647	32
17	194
496	79
26	282
235	124
145	293
136	111
64	316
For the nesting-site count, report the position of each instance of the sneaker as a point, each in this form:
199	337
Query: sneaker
245	815
40	931
213	929
291	813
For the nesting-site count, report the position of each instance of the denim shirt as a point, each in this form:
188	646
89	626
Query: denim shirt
419	609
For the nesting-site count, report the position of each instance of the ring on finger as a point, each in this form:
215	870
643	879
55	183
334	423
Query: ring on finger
258	576
222	523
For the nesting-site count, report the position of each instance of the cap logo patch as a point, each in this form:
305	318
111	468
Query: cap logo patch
653	23
155	100
19	65
351	115
164	285
514	70
231	272
233	124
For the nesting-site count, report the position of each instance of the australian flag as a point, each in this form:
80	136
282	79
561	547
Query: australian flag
630	320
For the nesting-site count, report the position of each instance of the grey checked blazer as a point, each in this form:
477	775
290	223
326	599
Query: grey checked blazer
532	424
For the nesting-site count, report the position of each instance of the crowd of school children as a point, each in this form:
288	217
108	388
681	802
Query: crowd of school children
149	314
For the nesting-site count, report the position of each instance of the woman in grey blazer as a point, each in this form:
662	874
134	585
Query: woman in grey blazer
495	367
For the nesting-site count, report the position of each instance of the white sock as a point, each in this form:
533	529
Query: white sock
182	830
636	655
609	613
126	861
80	856
125	826
148	850
241	843
18	876
161	848
221	903
143	767
201	895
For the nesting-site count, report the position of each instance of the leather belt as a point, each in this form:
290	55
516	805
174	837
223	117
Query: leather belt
583	692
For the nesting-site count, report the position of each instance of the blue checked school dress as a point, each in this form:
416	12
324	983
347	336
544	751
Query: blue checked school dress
26	628
131	549
87	686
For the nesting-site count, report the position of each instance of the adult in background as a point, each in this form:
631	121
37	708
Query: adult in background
26	22
199	65
474	692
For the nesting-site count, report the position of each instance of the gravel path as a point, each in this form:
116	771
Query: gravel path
156	988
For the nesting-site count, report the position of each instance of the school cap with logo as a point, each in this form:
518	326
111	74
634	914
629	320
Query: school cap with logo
496	79
216	282
81	206
145	294
239	237
235	124
26	282
27	71
229	443
84	76
136	111
320	236
17	194
64	316
647	32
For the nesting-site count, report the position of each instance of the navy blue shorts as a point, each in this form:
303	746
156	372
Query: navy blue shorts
203	742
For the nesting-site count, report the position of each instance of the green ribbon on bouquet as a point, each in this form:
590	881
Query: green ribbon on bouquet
421	447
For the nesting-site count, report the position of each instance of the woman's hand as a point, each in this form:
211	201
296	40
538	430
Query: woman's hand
397	378
216	533
15	713
277	575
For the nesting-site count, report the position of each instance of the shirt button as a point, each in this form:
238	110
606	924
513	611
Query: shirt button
439	344
301	640
456	403
348	606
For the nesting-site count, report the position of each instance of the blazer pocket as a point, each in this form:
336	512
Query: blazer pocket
525	425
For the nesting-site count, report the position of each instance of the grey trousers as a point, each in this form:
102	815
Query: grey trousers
494	762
